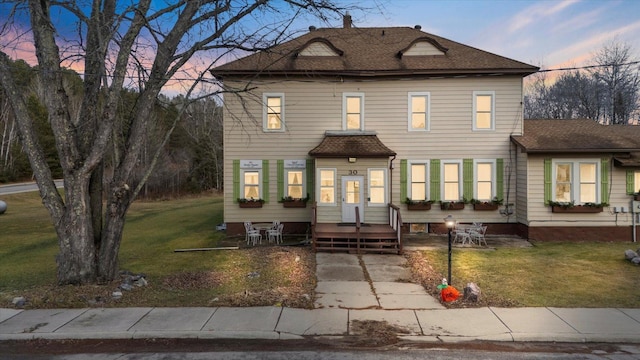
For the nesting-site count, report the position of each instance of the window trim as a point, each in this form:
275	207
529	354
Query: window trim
303	181
345	96
242	183
385	177
493	110
410	96
427	182
636	181
494	177
319	186
575	178
265	112
460	179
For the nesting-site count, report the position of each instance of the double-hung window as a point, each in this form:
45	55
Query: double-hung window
327	186
353	111
485	180
418	179
273	112
452	180
484	110
419	109
576	181
250	179
377	186
636	181
294	177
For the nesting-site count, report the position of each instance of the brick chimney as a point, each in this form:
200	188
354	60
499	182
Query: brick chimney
346	21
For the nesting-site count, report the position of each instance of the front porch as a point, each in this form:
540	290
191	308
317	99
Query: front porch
358	237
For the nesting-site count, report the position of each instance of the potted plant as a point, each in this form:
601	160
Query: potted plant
571	207
250	203
636	195
291	202
452	205
493	204
419	204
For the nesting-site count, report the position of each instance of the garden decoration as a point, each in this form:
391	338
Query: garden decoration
447	292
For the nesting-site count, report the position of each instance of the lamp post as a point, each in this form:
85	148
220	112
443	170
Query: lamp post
449	221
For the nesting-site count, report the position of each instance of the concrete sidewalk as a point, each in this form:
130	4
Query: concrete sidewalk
452	325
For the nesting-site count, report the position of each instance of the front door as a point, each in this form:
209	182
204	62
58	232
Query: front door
352	198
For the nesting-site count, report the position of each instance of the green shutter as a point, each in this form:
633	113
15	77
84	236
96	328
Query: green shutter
311	179
500	179
236	180
265	180
604	180
281	190
434	189
548	181
403	181
467	179
630	180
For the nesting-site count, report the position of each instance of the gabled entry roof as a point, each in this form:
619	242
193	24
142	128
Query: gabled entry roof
351	144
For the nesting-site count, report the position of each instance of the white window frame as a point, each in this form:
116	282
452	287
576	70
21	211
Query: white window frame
493	110
303	181
345	96
385	187
494	177
460	178
319	186
242	183
636	181
265	112
427	125
575	178
410	178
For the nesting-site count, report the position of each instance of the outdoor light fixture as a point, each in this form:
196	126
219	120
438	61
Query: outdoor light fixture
352	160
450	222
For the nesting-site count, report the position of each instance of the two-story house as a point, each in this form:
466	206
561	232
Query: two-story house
361	118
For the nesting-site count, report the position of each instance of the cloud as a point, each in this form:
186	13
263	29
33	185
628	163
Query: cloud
533	13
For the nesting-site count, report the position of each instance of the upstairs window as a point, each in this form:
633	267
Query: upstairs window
353	111
483	110
419	108
273	112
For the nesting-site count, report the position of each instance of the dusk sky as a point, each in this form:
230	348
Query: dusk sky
551	33
546	33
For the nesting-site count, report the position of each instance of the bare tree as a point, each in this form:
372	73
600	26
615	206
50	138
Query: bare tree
115	38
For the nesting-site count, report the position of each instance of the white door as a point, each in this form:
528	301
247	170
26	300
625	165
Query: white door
352	198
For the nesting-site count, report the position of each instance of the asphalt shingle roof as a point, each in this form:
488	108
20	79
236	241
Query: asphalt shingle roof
577	135
368	52
351	145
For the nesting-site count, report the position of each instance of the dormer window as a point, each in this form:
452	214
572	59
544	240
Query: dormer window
424	46
319	47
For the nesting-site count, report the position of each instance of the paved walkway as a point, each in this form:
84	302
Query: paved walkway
368	282
348	290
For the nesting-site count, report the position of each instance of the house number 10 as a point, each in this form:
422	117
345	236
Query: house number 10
353	172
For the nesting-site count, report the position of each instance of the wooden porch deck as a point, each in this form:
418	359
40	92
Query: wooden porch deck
358	237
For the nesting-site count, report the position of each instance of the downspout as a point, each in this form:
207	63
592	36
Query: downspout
391	179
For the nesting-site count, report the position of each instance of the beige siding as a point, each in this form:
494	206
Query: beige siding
541	215
423	48
311	108
522	187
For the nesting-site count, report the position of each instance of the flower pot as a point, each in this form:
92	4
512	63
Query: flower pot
419	206
578	209
452	205
485	206
294	204
636	197
250	204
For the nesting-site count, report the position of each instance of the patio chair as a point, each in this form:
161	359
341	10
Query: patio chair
460	233
252	235
478	235
275	234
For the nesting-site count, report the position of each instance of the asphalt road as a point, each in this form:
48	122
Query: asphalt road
23	187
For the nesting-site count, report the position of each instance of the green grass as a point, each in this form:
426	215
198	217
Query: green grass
549	274
153	231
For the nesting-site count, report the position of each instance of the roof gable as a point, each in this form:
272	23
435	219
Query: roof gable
319	47
423	46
